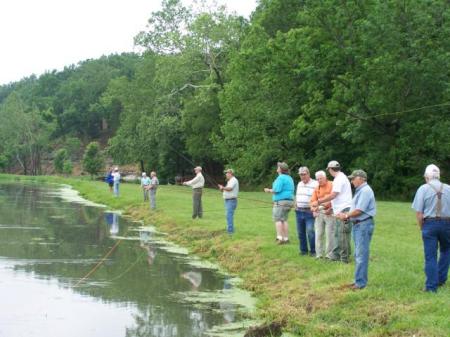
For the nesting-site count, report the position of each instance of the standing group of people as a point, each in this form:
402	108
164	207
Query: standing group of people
229	192
327	214
327	209
149	186
113	180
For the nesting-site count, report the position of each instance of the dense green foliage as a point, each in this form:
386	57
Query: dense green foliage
58	161
92	159
363	82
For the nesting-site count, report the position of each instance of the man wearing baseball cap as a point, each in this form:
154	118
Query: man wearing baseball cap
432	206
304	215
197	184
341	200
361	215
230	194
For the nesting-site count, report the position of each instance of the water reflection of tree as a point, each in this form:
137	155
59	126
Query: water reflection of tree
79	233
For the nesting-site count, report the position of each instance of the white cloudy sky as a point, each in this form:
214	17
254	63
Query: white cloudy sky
40	35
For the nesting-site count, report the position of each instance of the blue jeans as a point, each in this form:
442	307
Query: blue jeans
436	233
230	207
116	188
305	232
362	235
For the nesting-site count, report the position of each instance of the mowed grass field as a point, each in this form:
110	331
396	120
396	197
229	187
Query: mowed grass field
305	294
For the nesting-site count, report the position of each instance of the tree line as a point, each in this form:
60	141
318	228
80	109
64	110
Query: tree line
362	82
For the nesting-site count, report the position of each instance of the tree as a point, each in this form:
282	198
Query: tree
67	167
93	159
59	160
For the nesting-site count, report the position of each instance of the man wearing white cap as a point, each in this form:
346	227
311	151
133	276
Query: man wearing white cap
432	206
197	185
341	201
116	180
230	194
145	183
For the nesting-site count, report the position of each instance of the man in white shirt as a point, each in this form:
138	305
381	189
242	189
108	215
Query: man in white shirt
341	201
230	193
304	215
116	180
197	185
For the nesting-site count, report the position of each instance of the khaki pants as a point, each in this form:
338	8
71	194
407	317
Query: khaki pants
324	225
343	234
197	210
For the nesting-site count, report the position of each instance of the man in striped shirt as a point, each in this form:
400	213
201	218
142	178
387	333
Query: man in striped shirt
304	215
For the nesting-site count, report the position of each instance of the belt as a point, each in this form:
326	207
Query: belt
438	218
276	202
230	198
304	209
358	221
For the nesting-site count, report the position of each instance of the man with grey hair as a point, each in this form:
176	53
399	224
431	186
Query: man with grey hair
341	201
197	185
432	206
304	215
324	224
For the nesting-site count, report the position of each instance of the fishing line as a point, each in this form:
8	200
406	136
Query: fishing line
103	259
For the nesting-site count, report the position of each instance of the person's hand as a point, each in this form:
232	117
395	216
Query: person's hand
314	204
342	216
267	190
220	187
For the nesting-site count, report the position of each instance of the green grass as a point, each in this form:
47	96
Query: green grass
303	293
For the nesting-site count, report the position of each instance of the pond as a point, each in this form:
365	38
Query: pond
72	268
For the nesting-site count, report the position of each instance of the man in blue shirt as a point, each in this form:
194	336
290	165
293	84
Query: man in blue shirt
283	199
361	215
432	206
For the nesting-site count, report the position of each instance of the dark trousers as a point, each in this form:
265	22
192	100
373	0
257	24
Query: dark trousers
197	210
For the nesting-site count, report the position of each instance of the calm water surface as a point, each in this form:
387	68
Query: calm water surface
146	287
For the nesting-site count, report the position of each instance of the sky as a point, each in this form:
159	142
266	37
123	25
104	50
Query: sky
42	35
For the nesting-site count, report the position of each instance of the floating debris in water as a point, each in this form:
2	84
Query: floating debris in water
67	193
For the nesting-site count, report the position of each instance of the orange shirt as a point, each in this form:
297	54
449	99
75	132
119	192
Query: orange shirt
322	191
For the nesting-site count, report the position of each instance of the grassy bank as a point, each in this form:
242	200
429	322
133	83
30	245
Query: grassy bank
307	295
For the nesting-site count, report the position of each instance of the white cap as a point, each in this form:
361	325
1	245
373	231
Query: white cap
333	164
144	174
432	171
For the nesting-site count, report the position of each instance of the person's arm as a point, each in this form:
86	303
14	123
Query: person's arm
325	199
352	214
274	188
230	185
192	181
419	217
